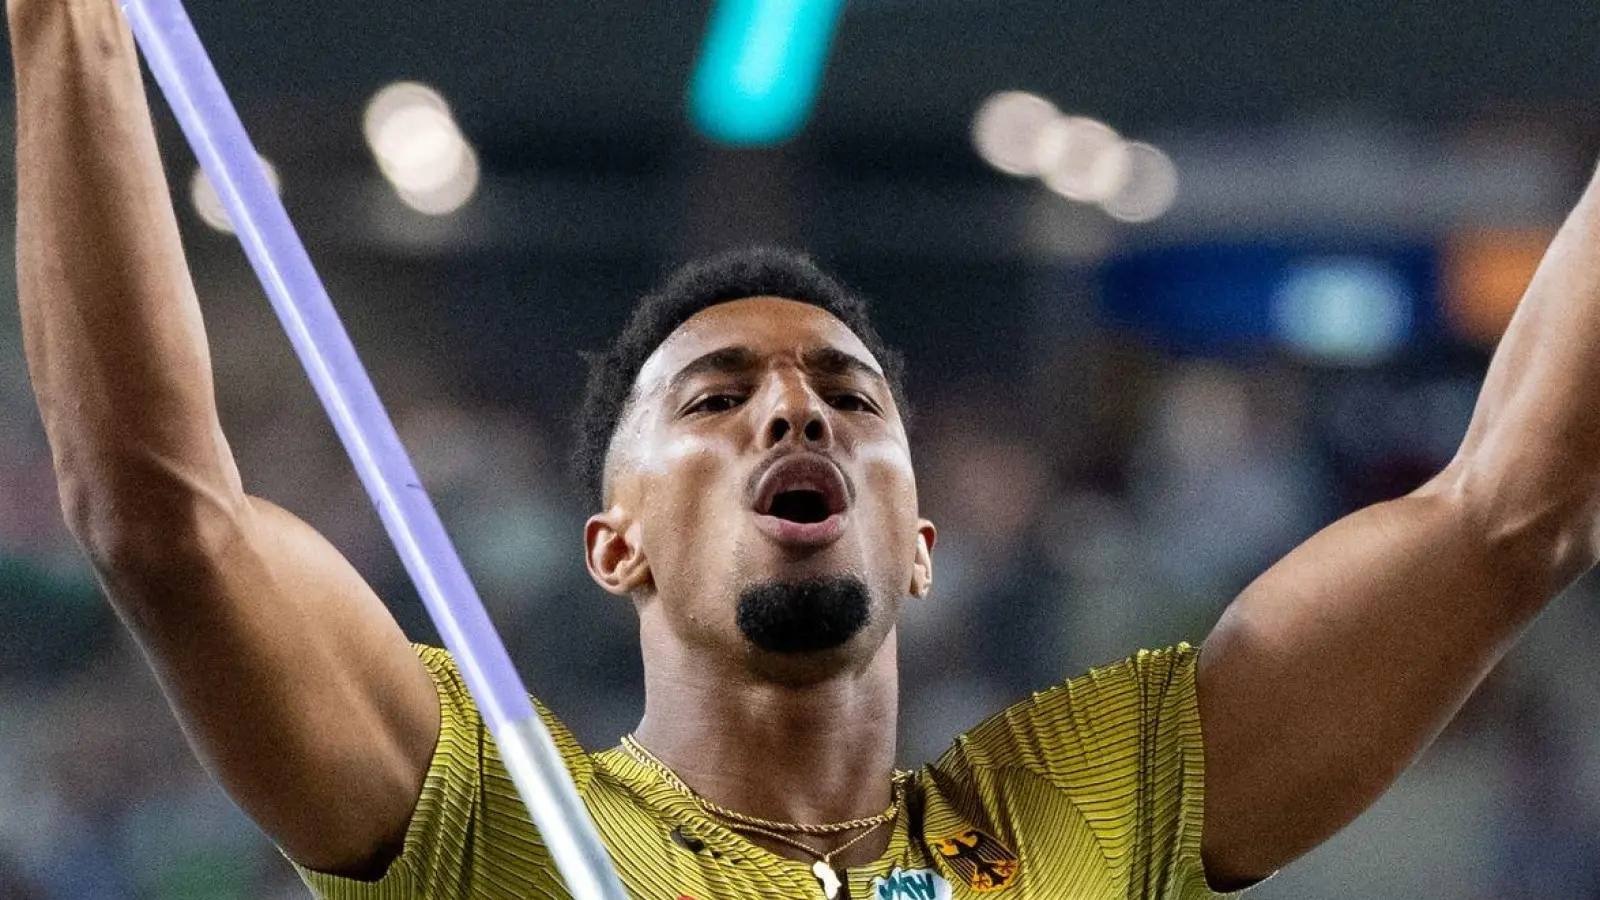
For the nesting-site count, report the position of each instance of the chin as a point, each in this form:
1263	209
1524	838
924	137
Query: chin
805	616
803	671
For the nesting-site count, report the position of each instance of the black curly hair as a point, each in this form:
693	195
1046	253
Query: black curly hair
735	275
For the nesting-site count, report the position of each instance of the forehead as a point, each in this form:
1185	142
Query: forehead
770	326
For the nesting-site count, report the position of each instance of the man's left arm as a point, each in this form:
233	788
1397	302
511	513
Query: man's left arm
1336	668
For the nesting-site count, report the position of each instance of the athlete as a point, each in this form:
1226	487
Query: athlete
756	503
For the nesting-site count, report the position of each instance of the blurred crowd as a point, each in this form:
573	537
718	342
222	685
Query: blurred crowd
1094	496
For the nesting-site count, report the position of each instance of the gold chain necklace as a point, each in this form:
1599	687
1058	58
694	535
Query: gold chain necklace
827	876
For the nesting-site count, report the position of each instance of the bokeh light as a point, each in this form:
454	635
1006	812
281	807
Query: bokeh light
442	198
1077	157
1007	128
208	203
1151	186
1082	159
1351	311
420	149
1483	274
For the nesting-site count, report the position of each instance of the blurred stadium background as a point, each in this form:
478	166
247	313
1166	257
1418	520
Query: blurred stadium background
1179	283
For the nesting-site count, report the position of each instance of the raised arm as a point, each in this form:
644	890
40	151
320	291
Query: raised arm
292	682
1336	668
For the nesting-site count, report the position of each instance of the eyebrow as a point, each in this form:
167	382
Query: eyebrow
727	361
739	360
833	361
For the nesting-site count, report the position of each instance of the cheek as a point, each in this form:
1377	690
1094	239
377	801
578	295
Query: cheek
686	486
890	491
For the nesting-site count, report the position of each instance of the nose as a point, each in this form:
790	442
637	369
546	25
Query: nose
798	415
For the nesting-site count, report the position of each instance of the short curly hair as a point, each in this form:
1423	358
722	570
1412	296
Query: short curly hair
734	275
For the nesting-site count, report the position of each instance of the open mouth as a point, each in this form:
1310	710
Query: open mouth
802	500
804	506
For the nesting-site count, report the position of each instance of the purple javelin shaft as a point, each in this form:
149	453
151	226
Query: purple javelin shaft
195	93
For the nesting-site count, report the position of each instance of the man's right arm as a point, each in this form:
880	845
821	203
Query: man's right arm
294	685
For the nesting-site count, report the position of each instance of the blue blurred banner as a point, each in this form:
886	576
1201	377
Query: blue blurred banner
1340	304
760	69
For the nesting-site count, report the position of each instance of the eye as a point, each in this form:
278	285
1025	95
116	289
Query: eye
714	403
850	401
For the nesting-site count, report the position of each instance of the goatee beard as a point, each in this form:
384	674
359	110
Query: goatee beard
804	616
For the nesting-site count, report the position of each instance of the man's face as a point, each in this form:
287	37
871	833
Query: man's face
763	451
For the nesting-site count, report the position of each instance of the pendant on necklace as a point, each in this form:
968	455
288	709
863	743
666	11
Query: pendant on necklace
828	878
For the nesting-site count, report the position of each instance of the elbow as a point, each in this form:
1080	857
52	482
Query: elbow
144	535
1537	524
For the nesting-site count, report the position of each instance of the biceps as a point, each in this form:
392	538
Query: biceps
1331	672
298	690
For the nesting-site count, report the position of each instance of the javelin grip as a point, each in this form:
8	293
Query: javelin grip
184	71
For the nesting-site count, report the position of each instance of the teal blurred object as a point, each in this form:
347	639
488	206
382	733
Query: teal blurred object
760	69
55	622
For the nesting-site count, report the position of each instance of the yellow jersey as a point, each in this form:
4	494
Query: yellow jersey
1090	791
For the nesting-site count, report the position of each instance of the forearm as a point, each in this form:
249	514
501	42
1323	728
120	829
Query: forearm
1531	460
115	345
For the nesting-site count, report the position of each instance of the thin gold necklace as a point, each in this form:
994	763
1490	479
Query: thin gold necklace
823	869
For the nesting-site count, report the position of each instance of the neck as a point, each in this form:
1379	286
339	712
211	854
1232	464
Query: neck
818	752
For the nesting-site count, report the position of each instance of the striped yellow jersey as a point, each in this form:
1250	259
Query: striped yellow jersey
1089	791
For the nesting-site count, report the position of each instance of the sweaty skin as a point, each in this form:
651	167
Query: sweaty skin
296	688
794	738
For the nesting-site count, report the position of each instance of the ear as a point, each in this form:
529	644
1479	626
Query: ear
615	559
922	566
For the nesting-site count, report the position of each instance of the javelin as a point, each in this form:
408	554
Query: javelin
184	71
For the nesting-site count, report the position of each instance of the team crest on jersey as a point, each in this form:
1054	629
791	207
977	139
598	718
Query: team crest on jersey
983	863
913	884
